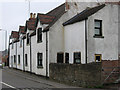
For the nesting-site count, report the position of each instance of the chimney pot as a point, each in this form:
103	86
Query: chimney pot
34	15
31	15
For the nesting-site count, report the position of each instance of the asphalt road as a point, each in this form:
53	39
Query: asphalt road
13	79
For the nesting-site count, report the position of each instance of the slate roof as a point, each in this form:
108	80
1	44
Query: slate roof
14	34
45	19
83	15
57	12
30	24
50	18
22	29
116	3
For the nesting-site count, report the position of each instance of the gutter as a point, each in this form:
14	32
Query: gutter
23	57
30	56
16	55
8	61
46	54
86	40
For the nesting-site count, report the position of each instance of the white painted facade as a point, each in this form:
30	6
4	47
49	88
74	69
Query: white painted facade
39	48
20	52
75	40
71	38
12	54
107	46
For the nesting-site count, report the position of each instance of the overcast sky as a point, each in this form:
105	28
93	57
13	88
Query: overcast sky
13	14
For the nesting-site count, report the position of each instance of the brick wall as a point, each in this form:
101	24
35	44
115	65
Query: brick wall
110	71
77	75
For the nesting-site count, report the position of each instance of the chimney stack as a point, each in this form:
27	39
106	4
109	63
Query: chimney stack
67	7
31	15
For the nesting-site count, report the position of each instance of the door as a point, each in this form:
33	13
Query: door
11	61
60	57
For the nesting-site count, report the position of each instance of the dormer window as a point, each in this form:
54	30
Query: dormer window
39	35
28	39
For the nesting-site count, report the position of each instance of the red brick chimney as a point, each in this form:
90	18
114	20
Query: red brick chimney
67	7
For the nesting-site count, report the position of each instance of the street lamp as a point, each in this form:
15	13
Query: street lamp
5	38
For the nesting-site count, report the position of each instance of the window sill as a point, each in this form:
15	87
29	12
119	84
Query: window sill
39	41
39	66
27	44
98	36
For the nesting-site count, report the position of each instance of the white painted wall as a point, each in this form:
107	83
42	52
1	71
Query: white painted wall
12	53
38	48
75	40
27	51
20	52
107	46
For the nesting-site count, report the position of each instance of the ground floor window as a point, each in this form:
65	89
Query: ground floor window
26	62
14	58
98	57
18	59
77	57
39	59
60	57
66	57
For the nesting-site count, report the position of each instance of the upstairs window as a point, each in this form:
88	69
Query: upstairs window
77	58
18	59
39	35
39	59
28	39
98	57
60	57
66	57
98	27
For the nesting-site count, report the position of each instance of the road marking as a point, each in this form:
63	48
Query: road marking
7	85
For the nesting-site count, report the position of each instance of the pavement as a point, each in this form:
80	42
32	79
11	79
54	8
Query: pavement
14	79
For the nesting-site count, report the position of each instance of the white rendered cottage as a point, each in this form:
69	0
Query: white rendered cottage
93	34
13	49
40	40
20	49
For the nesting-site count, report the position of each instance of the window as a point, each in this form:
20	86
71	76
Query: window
98	57
39	35
98	27
12	45
39	59
60	57
20	42
26	63
27	38
77	58
66	57
18	59
14	59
